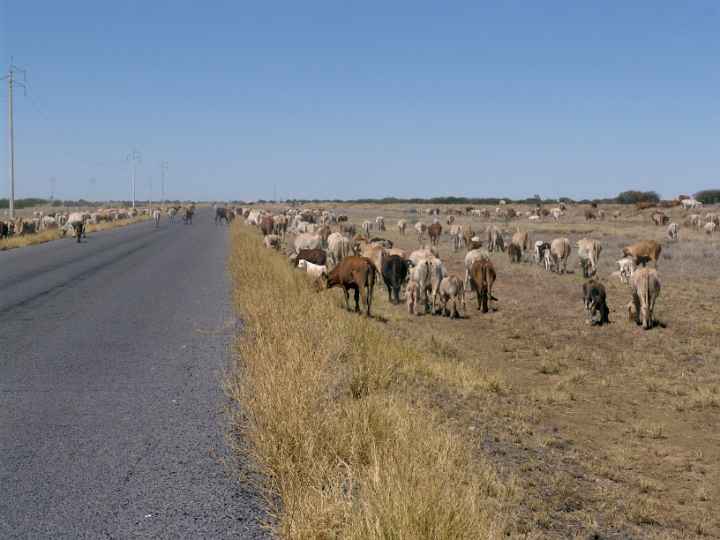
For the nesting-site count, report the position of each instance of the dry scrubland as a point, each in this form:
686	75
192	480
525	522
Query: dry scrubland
55	234
524	421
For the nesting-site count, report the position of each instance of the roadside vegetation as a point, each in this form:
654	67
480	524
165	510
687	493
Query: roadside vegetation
333	411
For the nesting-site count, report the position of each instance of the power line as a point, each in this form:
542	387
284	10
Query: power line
12	82
134	158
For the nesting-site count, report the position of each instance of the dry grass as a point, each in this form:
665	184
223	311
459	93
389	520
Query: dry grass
55	234
336	419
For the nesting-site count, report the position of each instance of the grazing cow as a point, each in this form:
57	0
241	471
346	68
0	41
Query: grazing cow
556	213
468	234
589	253
401	225
626	267
589	215
456	236
348	229
560	252
156	217
693	220
315	271
411	296
315	256
221	214
595	300
673	232
267	225
272	241
710	227
342	218
646	289
690	203
450	220
434	232
394	271
470	258
356	273
307	241
339	247
482	279
451	291
280	224
495	239
420	254
374	254
514	253
616	214
643	252
421	229
522	241
382	242
367	226
380	223
659	218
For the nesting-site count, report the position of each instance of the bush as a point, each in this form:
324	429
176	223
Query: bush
708	196
634	197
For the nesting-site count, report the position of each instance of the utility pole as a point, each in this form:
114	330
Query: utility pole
163	168
134	158
11	131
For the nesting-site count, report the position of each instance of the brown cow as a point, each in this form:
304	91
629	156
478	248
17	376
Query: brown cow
315	256
356	273
434	232
267	225
643	252
482	278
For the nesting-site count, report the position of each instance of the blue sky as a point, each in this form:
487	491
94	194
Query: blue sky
357	99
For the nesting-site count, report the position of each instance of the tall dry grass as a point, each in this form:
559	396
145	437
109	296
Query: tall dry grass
55	234
345	444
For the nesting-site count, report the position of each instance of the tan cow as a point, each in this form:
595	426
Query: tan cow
646	289
560	253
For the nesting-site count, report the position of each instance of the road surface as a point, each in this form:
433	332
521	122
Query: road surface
112	416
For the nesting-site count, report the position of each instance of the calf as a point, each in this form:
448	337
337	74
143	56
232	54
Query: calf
356	273
394	272
594	298
643	252
451	291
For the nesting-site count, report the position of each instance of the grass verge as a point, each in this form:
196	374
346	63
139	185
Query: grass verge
343	439
54	234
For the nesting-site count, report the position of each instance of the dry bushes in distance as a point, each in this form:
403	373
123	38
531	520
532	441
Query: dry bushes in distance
345	447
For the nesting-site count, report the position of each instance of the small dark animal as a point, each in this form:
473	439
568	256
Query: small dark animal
394	271
594	298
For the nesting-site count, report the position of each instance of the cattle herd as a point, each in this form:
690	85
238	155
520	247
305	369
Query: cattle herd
337	253
74	223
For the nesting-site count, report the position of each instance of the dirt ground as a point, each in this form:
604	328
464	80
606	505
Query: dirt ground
609	432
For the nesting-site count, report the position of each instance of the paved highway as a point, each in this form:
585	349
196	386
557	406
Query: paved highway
112	416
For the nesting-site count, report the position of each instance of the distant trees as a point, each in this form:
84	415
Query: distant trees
708	196
633	197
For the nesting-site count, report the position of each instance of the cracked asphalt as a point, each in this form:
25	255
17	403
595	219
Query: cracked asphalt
112	414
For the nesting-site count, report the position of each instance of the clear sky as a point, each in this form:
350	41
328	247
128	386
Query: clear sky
357	99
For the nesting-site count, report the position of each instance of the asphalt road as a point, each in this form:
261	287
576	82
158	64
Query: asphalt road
112	415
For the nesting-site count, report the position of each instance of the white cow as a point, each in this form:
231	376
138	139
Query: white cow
313	270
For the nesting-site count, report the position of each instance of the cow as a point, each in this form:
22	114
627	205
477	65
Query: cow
4	230
411	296
374	254
590	215
482	279
382	242
690	203
339	247
221	213
645	286
495	239
589	253
468	234
188	217
540	247
280	224
710	227
172	211
626	267
367	226
394	272
380	223
693	220
353	273
307	241
272	241
673	232
156	217
559	253
401	225
595	301
315	256
420	254
315	271
556	213
434	232
658	218
643	252
421	229
456	236
348	229
451	291
470	258
450	220
522	241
